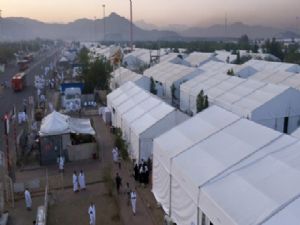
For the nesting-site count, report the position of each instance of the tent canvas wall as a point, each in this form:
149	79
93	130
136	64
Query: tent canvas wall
228	175
149	126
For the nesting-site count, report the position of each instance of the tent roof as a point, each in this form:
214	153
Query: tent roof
192	131
122	75
56	123
214	66
151	117
140	109
236	94
236	172
196	58
263	184
168	72
122	94
296	133
266	66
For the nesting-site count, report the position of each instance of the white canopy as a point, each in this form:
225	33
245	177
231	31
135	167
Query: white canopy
56	123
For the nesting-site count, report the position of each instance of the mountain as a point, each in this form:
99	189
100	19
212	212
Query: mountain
146	26
117	29
236	30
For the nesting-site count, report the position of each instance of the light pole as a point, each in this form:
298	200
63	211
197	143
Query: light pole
103	22
131	38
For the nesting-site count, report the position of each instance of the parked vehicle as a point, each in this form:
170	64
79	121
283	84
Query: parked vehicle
18	81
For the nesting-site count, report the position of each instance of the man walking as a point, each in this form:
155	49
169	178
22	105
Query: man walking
92	213
28	200
133	201
118	182
75	182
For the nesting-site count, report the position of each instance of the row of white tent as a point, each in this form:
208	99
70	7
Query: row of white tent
275	106
141	117
218	168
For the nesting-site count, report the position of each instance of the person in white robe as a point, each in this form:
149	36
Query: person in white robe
61	163
81	179
92	213
133	201
115	155
28	200
75	182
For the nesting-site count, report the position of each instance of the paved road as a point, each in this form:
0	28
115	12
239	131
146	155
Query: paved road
9	98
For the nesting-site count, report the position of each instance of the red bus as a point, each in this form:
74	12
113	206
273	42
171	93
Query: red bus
18	81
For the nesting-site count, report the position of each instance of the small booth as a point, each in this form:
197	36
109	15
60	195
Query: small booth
63	135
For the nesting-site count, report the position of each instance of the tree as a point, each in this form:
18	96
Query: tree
84	59
238	58
275	48
230	72
97	75
244	42
152	86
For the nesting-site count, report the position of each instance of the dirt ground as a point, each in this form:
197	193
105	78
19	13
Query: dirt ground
66	207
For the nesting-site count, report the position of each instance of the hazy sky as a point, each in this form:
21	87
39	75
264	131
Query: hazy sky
161	12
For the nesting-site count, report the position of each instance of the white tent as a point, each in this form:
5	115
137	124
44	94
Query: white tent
121	75
56	124
235	173
275	106
142	117
166	74
198	58
118	97
296	133
179	139
251	67
258	188
136	112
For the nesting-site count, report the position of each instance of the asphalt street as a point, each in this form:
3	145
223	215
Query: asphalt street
9	98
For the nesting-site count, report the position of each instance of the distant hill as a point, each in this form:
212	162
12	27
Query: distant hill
236	30
117	29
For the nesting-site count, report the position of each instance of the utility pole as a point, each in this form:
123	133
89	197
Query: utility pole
131	38
6	133
95	30
103	22
1	34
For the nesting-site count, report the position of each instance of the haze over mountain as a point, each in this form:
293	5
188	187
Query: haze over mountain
117	29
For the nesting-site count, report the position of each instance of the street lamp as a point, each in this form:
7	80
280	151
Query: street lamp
103	22
131	45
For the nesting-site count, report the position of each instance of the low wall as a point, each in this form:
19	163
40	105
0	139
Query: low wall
82	151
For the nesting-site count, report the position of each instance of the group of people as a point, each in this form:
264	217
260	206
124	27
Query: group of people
78	181
142	171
